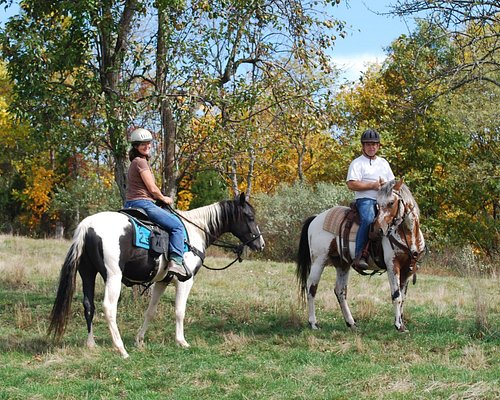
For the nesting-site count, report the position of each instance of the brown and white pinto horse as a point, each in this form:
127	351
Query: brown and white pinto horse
402	242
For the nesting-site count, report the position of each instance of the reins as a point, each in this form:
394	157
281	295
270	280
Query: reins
238	249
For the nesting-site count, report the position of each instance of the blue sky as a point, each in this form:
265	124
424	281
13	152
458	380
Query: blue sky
368	33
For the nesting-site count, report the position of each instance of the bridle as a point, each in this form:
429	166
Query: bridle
237	249
414	256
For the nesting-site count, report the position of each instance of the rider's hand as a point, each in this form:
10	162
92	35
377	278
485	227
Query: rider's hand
167	200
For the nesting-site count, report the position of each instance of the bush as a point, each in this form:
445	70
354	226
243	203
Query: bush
83	197
280	216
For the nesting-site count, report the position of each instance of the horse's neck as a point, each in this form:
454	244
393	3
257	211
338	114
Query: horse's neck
209	221
410	231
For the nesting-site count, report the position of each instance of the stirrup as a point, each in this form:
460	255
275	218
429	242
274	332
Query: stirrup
174	268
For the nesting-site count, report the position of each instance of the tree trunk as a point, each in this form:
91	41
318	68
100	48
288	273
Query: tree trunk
251	167
121	174
113	46
170	136
234	178
168	126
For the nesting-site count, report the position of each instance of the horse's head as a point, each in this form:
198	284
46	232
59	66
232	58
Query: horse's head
395	204
245	228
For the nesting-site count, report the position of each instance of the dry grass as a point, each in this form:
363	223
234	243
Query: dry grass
23	259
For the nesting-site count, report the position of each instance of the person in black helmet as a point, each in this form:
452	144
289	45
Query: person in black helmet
365	176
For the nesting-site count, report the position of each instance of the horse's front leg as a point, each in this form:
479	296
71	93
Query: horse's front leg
312	288
404	291
397	293
110	305
341	293
182	290
157	292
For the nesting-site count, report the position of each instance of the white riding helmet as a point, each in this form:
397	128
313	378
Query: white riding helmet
141	135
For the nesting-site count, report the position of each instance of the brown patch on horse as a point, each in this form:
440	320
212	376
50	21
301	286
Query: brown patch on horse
333	251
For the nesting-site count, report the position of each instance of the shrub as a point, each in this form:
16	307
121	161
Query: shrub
281	215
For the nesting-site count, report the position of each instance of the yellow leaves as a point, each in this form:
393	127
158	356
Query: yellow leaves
184	195
37	194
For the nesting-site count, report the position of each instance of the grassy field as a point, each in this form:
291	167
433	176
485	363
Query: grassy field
249	337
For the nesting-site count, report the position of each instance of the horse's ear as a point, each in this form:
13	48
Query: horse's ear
242	199
398	184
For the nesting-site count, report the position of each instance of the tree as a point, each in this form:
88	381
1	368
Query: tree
96	73
68	61
473	27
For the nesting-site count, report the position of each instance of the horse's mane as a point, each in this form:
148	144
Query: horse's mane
385	193
217	215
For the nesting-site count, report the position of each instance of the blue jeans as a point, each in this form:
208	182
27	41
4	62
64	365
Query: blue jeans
166	220
367	210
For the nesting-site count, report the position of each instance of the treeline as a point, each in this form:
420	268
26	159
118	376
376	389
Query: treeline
242	96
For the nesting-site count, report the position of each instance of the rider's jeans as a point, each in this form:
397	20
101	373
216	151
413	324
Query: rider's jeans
367	209
166	220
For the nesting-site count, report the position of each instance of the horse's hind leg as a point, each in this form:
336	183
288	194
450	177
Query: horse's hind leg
158	289
110	305
312	287
341	293
88	275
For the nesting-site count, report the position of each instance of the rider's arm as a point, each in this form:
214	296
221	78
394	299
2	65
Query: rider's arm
364	185
148	179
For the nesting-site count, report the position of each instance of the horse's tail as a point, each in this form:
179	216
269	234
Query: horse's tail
304	258
67	282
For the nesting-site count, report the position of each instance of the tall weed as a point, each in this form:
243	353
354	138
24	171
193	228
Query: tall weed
473	270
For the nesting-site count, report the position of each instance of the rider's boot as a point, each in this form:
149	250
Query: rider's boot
177	267
361	260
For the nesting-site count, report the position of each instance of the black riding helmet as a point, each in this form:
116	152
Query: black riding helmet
370	136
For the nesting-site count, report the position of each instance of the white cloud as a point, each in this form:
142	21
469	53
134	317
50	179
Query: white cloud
351	66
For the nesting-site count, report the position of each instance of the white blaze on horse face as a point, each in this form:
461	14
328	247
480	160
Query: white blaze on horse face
386	214
380	221
261	244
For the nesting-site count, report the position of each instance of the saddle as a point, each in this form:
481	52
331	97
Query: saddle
147	234
341	221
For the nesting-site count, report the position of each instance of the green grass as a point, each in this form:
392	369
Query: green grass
249	337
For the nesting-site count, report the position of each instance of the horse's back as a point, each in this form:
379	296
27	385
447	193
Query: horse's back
106	223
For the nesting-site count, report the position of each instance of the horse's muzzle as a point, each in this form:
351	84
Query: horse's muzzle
257	244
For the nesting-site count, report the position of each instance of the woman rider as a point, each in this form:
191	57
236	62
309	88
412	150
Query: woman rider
142	192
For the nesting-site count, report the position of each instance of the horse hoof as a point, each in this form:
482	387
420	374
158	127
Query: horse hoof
183	344
139	343
314	326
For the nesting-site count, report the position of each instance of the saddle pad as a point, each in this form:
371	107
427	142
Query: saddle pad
334	218
141	235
